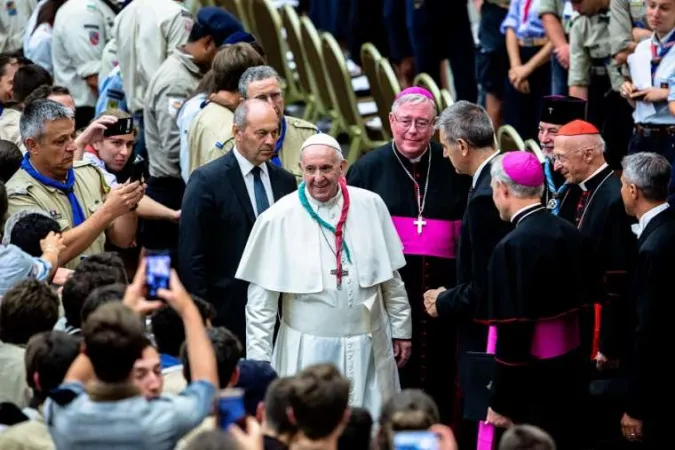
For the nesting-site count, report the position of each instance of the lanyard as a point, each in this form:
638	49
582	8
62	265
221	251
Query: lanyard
280	143
553	204
526	10
657	56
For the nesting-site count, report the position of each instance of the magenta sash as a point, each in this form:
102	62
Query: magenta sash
486	432
439	237
555	337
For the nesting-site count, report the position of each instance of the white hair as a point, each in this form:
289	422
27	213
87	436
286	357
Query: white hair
517	190
413	99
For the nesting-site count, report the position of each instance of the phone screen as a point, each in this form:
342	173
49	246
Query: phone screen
416	440
157	273
137	169
122	126
231	408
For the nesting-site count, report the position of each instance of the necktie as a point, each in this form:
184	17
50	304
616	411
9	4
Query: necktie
261	202
581	206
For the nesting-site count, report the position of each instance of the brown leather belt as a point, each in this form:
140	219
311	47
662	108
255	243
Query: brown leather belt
533	42
655	130
501	3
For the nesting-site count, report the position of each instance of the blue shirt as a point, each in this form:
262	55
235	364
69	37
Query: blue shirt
529	26
111	95
133	423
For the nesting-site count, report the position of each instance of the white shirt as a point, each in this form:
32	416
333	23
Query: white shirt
582	185
639	228
480	169
246	171
532	206
187	113
98	162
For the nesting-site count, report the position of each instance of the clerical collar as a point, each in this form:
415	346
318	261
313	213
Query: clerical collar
594	180
526	211
411	160
648	216
316	203
481	167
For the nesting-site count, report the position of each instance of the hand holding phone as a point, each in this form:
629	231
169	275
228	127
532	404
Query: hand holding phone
137	169
157	272
231	408
416	440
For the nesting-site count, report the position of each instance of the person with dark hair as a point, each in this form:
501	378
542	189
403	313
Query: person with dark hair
408	410
255	378
59	94
28	78
526	437
26	229
212	440
110	412
169	335
8	66
48	357
277	427
357	433
37	39
100	296
10	159
79	286
147	372
29	308
174	81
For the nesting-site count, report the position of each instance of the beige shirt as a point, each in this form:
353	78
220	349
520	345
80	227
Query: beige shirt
29	435
90	189
209	424
13	387
14	15
213	124
9	126
147	32
623	14
81	30
297	132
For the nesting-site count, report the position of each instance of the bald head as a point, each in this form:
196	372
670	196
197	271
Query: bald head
255	129
578	157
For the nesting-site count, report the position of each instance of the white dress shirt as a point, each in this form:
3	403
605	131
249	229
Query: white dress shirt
582	185
639	227
246	171
480	169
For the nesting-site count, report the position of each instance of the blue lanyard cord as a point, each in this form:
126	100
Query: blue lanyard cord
305	203
550	185
280	143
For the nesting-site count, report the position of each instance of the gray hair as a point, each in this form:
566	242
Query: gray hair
412	99
650	173
469	122
518	190
526	436
253	74
36	113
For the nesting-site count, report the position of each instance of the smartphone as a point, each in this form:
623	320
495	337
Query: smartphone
122	126
416	440
230	408
137	169
638	94
157	272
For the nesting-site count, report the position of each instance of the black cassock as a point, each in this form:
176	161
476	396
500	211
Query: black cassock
653	294
540	373
430	256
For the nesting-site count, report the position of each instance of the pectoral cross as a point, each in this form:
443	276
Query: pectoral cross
419	223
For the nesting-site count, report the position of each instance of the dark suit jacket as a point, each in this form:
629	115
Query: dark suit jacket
216	219
481	230
653	293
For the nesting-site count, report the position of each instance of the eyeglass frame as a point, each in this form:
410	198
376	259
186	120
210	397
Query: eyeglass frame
418	126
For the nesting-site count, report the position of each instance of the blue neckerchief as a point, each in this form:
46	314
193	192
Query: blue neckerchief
305	203
168	361
554	203
204	103
665	47
66	188
280	143
2	109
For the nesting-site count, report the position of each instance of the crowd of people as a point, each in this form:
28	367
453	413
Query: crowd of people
439	287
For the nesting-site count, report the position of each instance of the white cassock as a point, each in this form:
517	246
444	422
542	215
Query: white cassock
289	253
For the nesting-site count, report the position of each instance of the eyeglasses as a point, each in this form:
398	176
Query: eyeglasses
420	124
565	157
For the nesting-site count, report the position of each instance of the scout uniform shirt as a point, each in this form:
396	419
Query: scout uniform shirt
590	53
297	132
175	80
24	191
561	9
211	125
81	30
108	60
625	15
146	33
13	17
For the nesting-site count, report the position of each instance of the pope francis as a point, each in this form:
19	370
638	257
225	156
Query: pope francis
332	253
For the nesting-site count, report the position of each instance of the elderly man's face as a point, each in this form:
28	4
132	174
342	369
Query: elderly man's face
321	170
257	140
547	133
412	126
451	150
268	90
147	374
55	149
569	156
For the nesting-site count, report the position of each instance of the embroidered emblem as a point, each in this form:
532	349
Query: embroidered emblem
10	6
94	37
55	214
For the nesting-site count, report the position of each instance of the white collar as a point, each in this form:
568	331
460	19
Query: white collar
532	206
481	167
582	185
245	165
659	42
639	228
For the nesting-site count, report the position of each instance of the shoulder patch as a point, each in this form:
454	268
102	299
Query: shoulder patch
18	190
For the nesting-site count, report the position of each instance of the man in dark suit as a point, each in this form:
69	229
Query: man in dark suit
221	203
467	135
644	190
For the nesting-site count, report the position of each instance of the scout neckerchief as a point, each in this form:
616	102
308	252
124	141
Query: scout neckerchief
280	143
554	204
340	242
66	188
657	55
